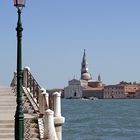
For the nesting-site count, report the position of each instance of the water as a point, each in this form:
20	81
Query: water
101	119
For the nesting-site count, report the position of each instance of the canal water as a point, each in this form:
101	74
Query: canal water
101	119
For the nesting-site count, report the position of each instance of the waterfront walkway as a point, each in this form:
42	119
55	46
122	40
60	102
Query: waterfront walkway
7	112
42	111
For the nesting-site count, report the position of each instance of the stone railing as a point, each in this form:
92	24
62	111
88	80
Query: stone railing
47	106
50	109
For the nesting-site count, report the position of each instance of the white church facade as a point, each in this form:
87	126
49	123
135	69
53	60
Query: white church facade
74	90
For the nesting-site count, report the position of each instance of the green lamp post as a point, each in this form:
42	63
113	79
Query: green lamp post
19	116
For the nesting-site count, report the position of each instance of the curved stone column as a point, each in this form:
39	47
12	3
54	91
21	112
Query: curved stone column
49	129
57	104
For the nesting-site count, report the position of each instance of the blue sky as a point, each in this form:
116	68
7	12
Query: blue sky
56	33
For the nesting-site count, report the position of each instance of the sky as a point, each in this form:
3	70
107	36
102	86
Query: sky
56	32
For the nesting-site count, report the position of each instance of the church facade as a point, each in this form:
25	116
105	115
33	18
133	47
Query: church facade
74	90
85	87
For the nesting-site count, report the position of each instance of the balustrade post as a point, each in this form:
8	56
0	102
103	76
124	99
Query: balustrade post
15	79
57	104
14	82
30	82
46	96
49	130
25	78
58	119
43	101
37	93
28	79
51	101
34	94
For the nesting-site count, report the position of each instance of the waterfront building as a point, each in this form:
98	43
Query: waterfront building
120	91
137	94
86	87
74	90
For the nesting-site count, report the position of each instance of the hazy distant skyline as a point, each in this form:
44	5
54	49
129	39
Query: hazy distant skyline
57	32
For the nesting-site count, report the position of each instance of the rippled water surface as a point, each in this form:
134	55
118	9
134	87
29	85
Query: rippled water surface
101	119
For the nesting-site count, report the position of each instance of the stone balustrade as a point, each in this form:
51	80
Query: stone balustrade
49	106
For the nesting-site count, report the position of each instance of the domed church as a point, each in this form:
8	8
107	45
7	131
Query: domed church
85	87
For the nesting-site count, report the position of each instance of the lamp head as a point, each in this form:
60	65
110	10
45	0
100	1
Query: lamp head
19	3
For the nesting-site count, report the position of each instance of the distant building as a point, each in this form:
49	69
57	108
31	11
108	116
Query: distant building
137	94
94	89
74	90
85	87
120	90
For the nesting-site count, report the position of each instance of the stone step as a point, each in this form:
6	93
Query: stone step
5	89
8	95
7	107
9	139
8	135
7	113
6	92
8	104
8	99
6	125
6	130
7	121
7	116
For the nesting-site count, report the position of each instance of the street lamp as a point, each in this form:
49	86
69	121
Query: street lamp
19	116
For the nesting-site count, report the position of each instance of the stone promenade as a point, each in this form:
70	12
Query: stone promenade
7	112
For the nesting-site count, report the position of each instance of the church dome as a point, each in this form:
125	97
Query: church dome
86	76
